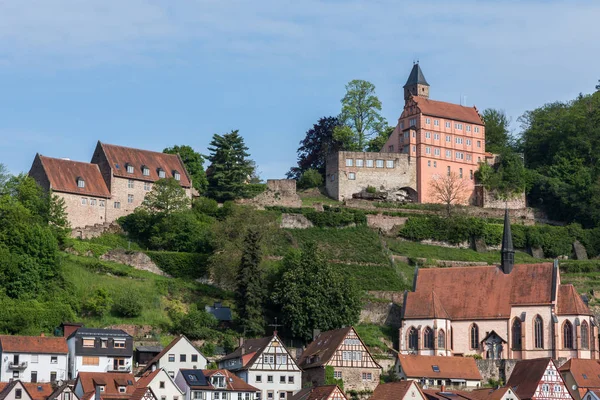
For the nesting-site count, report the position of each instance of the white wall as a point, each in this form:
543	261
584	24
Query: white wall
275	386
43	367
105	364
182	347
170	390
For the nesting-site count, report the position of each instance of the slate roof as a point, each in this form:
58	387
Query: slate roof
482	292
34	344
415	366
249	351
88	332
323	347
149	349
526	376
416	76
316	393
122	156
200	379
63	175
220	313
579	368
394	390
451	111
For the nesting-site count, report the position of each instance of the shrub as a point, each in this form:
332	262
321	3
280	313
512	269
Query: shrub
371	189
311	178
196	324
99	304
128	305
181	265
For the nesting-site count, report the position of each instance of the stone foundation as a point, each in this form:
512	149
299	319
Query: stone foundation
91	231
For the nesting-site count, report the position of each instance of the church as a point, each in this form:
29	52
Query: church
497	312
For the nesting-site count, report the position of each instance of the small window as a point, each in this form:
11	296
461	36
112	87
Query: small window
435	368
427	150
120	344
182	358
171	374
161	173
389	164
282	395
360	163
130	183
379	163
171	357
427	121
88	342
117	204
145	171
479	143
101	203
102	388
122	389
401	124
282	379
448	170
270	378
194	357
337	374
436	136
468	128
448	154
147	186
448	138
177	176
369	163
291	379
429	163
448	125
54	360
162	384
471	174
130	198
258	378
436	122
129	169
427	135
92	202
435	164
476	129
18	392
104	343
349	162
391	148
84	201
34	358
351	176
80	183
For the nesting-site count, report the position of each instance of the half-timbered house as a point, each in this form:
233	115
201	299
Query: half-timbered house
327	392
343	351
266	364
538	379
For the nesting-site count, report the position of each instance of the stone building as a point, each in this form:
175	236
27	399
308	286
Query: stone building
112	185
497	312
344	352
432	139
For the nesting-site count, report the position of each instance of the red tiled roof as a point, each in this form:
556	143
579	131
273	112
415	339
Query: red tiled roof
121	156
233	382
112	380
34	344
435	394
140	392
147	377
452	111
489	394
38	391
579	367
526	376
317	393
569	302
395	390
63	175
483	292
414	366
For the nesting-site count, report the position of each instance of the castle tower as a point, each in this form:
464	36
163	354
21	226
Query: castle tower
507	252
416	85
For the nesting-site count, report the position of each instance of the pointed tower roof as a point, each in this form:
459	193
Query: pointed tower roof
416	77
507	252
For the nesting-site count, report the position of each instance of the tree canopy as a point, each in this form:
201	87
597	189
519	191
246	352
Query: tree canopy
194	164
497	137
166	197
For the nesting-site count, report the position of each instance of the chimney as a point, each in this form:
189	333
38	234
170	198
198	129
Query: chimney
242	345
97	394
443	388
316	333
69	328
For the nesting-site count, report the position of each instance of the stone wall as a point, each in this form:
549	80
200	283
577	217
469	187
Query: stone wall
91	231
279	192
384	222
343	180
495	369
381	314
394	297
135	259
294	221
488	199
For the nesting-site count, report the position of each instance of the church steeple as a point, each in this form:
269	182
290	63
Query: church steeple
416	85
507	252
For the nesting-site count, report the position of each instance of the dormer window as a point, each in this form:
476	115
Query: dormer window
129	168
80	182
176	175
145	170
161	173
122	389
218	381
101	387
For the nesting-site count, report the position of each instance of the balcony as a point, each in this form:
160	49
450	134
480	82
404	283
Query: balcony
21	365
120	368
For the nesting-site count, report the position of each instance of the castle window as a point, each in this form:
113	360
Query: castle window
389	164
130	198
448	170
161	173
360	163
351	176
147	186
460	172
436	152
337	374
101	203
469	157
567	335
349	162
129	168
130	183
448	125
429	163
117	204
413	338
468	142
332	177
427	135
479	143
476	129
436	122
401	124
83	201
391	148
428	338
414	134
441	339
585	337
468	128
412	122
428	121
414	149
448	153
538	330
92	202
471	174
436	136
516	334
80	182
176	175
448	138
369	163
145	170
459	140
474	336
379	163
435	164
427	150
458	126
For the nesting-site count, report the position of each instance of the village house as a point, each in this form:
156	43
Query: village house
326	392
113	385
179	354
537	379
580	375
63	392
217	384
99	350
39	391
266	364
592	394
33	358
497	312
162	385
401	390
14	390
451	372
497	393
343	351
432	139
145	353
112	185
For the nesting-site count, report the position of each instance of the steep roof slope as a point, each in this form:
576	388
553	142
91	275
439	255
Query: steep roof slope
63	175
526	376
395	390
449	367
33	344
452	111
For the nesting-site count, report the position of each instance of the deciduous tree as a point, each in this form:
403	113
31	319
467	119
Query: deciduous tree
166	197
361	111
194	164
497	137
449	190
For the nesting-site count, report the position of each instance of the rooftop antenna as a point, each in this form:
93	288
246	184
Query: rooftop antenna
275	325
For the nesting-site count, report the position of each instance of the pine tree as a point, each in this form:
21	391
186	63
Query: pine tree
250	293
230	168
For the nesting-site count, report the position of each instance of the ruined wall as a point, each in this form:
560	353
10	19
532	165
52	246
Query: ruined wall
91	231
384	222
488	199
294	221
135	259
279	192
384	171
381	314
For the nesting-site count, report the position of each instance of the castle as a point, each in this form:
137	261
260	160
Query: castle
432	139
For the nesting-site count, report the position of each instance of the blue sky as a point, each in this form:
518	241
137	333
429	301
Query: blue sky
154	73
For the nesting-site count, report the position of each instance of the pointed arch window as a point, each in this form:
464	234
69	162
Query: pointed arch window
413	339
474	336
441	339
538	332
567	335
516	334
428	338
585	335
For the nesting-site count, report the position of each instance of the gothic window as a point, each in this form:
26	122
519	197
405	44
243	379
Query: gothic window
538	332
413	339
516	334
428	338
567	335
474	336
585	337
441	339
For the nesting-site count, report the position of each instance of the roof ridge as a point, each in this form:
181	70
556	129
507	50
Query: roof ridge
137	149
441	101
67	160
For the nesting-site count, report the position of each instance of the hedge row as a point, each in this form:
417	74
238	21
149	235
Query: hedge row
181	265
554	240
331	217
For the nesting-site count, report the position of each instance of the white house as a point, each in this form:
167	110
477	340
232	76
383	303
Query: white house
14	390
266	364
162	385
213	385
179	354
33	358
99	350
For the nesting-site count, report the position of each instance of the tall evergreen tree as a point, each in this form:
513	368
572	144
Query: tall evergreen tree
497	136
230	169
250	292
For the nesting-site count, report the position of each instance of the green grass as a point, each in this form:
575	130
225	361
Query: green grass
414	250
374	335
115	241
378	277
312	196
